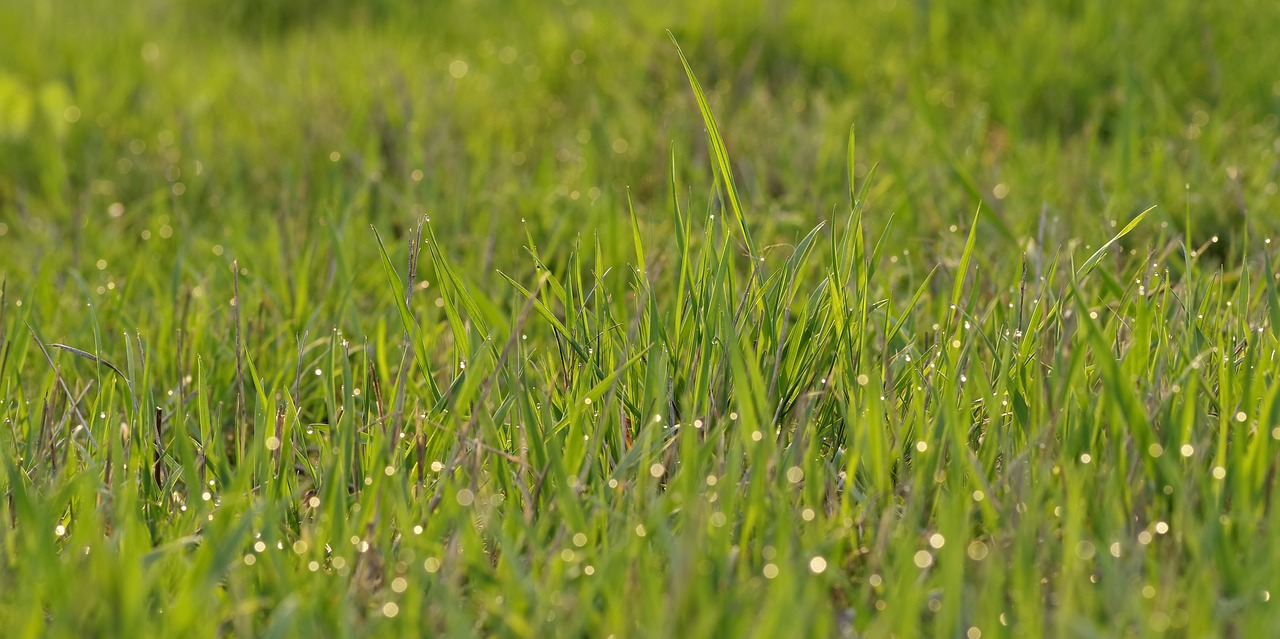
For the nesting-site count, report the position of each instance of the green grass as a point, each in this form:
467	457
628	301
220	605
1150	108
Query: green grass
516	319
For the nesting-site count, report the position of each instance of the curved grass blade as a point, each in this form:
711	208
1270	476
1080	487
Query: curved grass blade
1102	250
718	151
93	358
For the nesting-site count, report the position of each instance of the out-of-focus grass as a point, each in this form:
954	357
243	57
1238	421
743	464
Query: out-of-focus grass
247	390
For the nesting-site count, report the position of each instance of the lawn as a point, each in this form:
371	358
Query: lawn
639	319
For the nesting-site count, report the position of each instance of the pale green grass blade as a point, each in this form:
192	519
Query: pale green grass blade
1097	256
719	153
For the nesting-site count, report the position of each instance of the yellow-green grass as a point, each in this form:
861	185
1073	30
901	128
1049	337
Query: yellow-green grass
590	319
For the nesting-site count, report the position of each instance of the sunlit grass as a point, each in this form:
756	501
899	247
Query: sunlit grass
322	321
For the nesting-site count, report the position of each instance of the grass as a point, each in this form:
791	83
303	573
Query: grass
518	320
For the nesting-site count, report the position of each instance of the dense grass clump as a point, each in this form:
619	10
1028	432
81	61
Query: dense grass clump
515	319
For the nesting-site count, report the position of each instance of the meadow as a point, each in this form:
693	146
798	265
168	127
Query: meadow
745	318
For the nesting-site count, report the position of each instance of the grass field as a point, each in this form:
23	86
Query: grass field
497	318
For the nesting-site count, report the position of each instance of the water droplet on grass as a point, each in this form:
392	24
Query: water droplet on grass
923	559
818	565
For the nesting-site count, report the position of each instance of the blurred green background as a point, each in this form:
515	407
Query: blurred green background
1063	116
